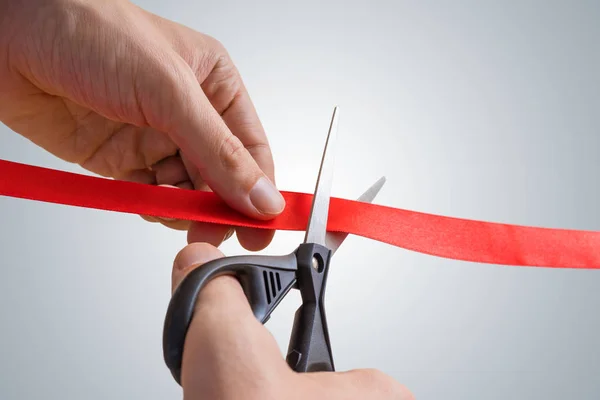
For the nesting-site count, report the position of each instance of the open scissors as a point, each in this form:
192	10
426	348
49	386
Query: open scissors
266	280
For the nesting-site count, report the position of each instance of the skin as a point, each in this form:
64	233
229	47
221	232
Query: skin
229	354
129	95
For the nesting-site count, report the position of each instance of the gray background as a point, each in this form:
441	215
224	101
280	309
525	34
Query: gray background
485	110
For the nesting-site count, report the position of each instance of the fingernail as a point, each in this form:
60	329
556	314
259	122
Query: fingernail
181	262
266	198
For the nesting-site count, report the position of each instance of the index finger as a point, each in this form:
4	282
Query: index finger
227	93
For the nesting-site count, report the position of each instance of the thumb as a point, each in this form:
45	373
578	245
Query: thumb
227	351
220	157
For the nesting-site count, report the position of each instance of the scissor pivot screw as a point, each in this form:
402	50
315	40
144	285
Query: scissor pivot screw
315	263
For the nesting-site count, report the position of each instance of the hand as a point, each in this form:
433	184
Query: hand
132	96
229	354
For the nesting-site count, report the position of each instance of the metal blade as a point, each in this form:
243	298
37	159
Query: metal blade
334	240
317	223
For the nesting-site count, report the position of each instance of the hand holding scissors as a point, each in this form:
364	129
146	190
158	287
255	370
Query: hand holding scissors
250	288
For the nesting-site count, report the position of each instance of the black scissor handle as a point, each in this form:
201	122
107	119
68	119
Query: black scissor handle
309	348
264	279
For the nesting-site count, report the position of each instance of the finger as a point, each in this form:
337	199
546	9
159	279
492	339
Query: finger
221	82
177	224
227	351
203	232
226	165
190	258
227	93
148	176
214	234
224	89
250	239
149	218
223	161
254	239
170	171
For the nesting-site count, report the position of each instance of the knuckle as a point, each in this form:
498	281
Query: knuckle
219	77
182	266
222	84
232	153
215	45
261	152
213	49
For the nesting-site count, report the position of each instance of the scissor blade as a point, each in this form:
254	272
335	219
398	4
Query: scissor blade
334	240
317	223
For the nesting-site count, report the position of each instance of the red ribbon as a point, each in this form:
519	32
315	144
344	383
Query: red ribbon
455	238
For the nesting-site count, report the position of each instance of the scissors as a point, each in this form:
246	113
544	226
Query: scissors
266	280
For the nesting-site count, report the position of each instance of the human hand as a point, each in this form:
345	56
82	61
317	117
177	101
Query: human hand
129	95
229	354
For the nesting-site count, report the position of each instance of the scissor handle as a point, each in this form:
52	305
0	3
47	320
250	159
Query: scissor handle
264	279
309	348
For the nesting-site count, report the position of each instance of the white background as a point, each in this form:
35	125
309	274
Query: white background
484	110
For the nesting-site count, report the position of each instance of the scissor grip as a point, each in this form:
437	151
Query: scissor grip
309	348
264	279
